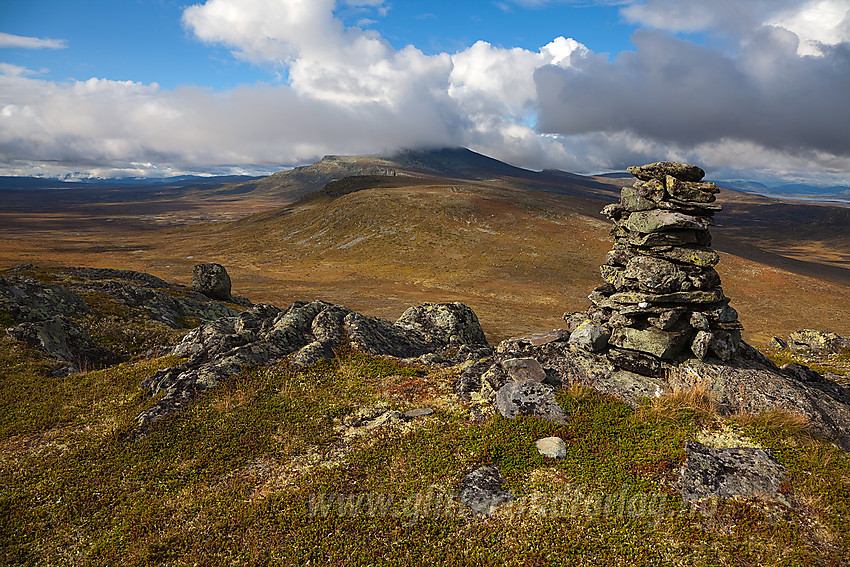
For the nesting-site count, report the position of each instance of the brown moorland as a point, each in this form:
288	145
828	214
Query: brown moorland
519	247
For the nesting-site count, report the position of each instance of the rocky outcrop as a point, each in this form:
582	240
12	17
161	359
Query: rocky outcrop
52	316
59	338
444	333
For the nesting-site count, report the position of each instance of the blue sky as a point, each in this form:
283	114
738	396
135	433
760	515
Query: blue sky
745	88
144	40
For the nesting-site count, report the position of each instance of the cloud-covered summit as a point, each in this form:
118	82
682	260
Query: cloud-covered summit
734	85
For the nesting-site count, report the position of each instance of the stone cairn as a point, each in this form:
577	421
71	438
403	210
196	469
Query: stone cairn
662	301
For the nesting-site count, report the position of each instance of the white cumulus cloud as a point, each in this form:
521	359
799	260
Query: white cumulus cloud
766	93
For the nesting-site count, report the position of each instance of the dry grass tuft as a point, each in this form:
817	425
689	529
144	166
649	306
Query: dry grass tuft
581	392
775	423
689	397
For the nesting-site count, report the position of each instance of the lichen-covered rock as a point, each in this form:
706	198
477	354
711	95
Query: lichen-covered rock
529	398
60	338
661	169
448	323
52	316
699	192
523	369
212	280
810	339
26	299
728	473
652	340
701	344
481	490
590	337
655	275
309	332
657	220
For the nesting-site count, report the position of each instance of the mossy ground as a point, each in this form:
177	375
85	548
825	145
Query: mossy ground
260	472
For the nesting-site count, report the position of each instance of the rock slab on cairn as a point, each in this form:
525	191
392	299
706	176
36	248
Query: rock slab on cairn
211	280
662	299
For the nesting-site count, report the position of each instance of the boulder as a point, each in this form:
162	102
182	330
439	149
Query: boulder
211	280
448	323
810	339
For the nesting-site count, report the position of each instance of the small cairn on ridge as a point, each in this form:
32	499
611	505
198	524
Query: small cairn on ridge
662	300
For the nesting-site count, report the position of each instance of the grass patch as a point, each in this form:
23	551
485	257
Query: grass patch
126	331
235	479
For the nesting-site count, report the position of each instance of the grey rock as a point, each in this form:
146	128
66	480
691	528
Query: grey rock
552	447
655	275
417	412
701	344
700	321
694	255
670	238
727	473
724	344
660	170
637	362
652	189
776	342
26	299
448	323
481	490
590	337
652	340
699	296
212	280
668	318
810	339
530	399
631	201
524	370
801	372
307	333
690	190
60	338
658	220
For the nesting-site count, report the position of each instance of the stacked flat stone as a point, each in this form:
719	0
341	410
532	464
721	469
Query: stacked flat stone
662	296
